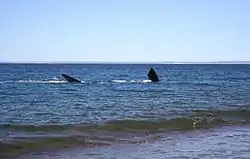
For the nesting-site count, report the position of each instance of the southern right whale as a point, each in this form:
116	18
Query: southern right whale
70	79
152	75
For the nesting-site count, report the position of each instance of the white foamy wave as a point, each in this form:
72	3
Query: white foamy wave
41	81
119	81
55	78
3	82
131	81
102	82
146	81
140	81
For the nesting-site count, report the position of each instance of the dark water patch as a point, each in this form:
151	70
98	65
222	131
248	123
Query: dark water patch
240	78
39	113
158	126
8	150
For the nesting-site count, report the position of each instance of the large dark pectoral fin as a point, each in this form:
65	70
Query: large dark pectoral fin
70	79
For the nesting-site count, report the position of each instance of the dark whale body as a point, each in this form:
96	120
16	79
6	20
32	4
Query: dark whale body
70	79
152	75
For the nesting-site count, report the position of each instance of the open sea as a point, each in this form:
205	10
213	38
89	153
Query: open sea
194	111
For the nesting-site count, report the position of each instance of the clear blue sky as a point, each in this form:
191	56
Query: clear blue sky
124	30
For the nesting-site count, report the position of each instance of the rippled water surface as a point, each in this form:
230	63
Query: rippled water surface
117	104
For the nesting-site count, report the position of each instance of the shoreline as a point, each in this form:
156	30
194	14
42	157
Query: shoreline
217	142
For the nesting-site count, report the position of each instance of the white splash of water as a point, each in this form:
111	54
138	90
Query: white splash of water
42	81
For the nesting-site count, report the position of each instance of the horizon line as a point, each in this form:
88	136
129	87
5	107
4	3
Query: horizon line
124	62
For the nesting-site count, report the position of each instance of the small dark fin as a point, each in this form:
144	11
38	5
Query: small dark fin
70	79
152	75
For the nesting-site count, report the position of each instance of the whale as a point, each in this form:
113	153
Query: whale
152	75
70	79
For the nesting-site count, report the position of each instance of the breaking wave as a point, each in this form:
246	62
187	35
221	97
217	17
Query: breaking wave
21	138
197	119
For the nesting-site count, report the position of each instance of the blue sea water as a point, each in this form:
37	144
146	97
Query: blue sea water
115	103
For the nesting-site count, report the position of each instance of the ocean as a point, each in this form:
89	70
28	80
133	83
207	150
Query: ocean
194	111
